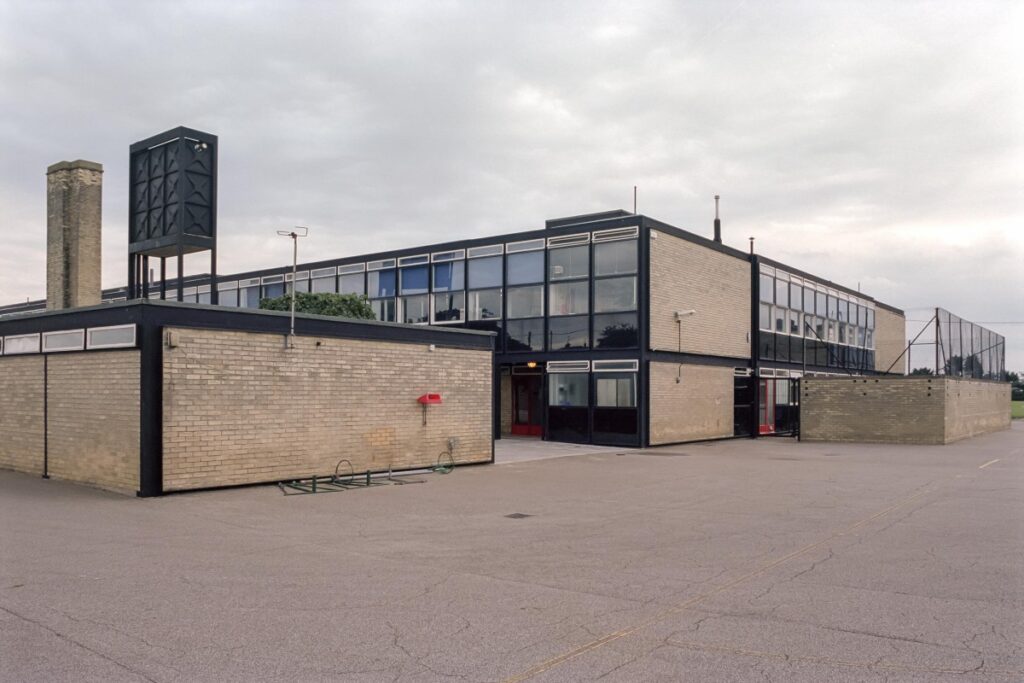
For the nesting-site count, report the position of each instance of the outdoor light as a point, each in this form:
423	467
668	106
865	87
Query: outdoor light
532	364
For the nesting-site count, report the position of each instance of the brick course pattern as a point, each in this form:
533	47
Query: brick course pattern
240	408
21	414
74	198
903	410
687	276
890	340
93	418
699	406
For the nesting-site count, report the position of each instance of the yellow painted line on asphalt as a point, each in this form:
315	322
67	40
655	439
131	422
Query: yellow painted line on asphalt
990	462
683	606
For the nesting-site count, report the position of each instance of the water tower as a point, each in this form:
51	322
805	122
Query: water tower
173	206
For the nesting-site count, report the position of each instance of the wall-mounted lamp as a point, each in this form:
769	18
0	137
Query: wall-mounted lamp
682	314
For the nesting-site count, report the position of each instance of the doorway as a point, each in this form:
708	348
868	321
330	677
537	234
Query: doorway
527	404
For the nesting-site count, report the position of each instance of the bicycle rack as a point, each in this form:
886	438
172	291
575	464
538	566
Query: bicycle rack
339	482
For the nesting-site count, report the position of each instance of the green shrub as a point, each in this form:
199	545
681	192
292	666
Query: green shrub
336	305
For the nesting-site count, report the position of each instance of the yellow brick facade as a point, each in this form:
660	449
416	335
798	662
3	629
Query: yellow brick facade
93	418
698	406
240	408
688	276
21	413
88	408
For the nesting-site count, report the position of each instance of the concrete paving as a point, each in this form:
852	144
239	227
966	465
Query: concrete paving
511	449
761	560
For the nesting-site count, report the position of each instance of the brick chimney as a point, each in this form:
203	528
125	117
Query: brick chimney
74	192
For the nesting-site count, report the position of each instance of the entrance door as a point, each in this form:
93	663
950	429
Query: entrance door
766	407
526	404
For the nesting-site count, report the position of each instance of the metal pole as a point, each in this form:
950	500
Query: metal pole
938	331
295	267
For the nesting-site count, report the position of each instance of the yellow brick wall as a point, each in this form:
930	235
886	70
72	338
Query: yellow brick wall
240	408
975	407
687	276
699	406
21	413
890	340
913	410
93	418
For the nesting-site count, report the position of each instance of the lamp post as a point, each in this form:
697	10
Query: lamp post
294	234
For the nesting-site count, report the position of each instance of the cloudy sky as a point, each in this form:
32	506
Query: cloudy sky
879	144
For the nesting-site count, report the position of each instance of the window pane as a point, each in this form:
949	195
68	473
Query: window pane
616	331
248	297
615	258
808	300
524	335
569	333
204	297
871	319
328	284
794	323
765	317
780	319
782	292
616	391
569	298
569	389
227	297
833	308
569	262
615	294
485	304
796	296
383	309
380	283
525	302
353	283
767	287
526	268
414	280
819	301
414	309
485	272
271	291
448	307
449	276
844	310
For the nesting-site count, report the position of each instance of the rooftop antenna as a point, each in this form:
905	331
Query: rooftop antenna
751	246
294	234
718	223
634	200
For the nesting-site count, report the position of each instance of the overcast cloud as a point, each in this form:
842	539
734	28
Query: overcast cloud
877	144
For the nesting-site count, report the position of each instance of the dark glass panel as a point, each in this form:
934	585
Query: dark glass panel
568	333
616	331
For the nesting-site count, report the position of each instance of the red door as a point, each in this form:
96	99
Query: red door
526	408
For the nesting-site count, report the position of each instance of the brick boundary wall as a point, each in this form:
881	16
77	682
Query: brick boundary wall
903	410
240	408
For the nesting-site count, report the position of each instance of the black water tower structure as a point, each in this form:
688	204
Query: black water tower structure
173	200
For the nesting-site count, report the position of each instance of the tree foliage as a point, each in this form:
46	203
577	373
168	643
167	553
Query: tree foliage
335	305
921	371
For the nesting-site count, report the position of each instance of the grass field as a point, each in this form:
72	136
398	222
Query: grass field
1017	409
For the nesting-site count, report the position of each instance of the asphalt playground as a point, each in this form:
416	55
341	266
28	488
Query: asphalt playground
766	560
